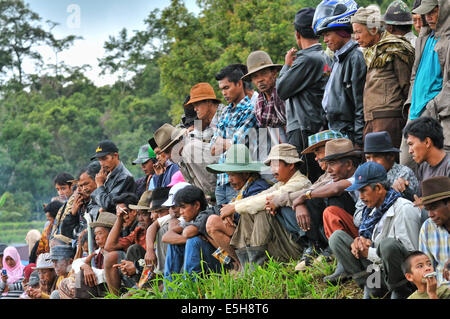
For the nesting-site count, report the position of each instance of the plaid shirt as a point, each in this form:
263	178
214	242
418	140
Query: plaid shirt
272	112
435	242
234	124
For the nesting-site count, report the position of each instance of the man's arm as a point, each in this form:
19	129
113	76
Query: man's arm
325	191
150	256
112	242
173	235
105	198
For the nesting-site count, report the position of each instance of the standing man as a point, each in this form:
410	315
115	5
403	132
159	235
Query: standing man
343	97
398	20
113	179
196	153
270	110
389	60
301	84
234	125
429	93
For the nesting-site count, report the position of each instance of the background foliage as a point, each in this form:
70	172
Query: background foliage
51	121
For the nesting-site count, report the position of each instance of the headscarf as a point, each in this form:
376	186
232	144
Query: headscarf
32	237
14	273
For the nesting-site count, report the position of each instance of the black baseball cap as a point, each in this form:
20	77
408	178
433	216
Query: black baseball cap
104	148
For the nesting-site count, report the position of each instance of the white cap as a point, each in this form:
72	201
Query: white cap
44	261
173	190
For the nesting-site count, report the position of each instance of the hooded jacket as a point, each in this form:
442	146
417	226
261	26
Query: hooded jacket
439	106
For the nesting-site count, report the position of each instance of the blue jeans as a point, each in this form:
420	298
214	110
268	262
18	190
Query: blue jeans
188	257
224	194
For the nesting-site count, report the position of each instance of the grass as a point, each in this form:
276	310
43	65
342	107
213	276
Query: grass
273	281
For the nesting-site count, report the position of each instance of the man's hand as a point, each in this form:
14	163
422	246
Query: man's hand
126	267
303	217
150	257
77	203
270	205
400	185
89	276
227	210
299	201
220	146
34	293
360	247
100	177
290	56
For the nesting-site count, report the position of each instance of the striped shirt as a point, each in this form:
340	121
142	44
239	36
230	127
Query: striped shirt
435	242
234	124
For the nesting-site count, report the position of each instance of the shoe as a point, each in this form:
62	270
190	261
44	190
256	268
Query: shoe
339	275
307	258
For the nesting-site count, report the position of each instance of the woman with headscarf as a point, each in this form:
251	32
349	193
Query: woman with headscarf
12	274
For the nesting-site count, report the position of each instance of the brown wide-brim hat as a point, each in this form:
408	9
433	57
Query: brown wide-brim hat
283	152
144	201
166	136
339	148
258	60
105	219
435	188
202	92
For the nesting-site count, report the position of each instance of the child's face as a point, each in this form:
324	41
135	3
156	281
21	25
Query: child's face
420	265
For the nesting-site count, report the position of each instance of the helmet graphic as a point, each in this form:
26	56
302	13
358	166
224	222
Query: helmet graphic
333	14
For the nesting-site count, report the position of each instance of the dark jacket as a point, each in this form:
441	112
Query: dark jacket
345	98
119	181
302	86
73	225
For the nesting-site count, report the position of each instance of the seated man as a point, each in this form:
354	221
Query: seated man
419	270
146	158
189	251
388	232
89	272
313	207
259	230
124	252
425	139
113	178
47	278
434	239
62	257
156	257
164	143
64	183
244	177
74	222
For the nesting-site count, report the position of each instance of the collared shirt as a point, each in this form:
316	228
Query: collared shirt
234	124
434	241
344	48
270	112
136	237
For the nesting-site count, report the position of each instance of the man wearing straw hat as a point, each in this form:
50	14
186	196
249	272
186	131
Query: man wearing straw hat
245	178
260	230
434	237
270	110
196	153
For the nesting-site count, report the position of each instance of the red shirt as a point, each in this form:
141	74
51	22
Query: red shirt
136	237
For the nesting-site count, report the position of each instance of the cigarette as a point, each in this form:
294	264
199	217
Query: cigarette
123	210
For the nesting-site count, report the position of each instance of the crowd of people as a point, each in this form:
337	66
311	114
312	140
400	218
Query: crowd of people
339	155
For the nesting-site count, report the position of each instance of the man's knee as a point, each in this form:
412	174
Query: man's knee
213	223
338	239
389	247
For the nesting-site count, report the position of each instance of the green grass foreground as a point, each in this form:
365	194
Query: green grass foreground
273	281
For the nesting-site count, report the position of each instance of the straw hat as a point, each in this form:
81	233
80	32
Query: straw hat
166	136
144	201
105	219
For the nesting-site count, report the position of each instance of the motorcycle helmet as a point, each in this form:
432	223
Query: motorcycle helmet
333	14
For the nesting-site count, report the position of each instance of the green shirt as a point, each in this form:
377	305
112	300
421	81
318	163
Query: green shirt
443	292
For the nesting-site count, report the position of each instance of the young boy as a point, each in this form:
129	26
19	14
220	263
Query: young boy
416	267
